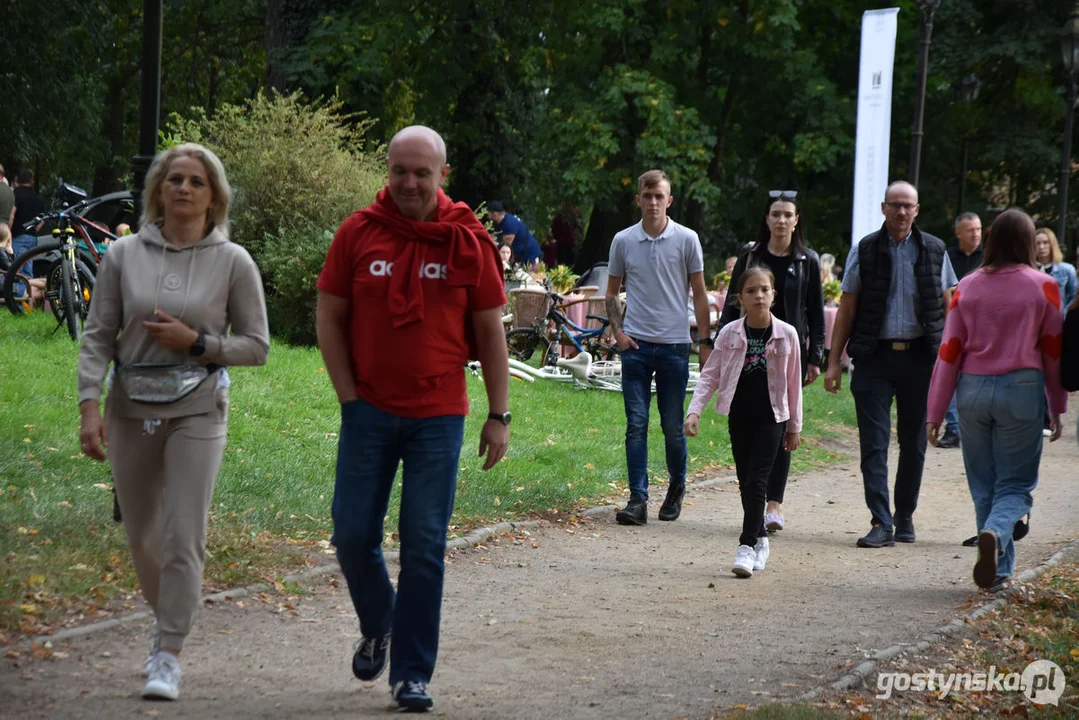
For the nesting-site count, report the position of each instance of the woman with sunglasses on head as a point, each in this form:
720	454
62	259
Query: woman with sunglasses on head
799	301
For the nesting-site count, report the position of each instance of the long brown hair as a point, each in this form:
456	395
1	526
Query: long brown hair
1009	241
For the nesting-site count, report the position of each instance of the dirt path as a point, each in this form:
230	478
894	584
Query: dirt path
598	623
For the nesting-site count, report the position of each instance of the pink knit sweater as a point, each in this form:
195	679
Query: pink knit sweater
1000	321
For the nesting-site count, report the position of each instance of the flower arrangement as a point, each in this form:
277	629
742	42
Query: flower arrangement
832	290
562	278
721	280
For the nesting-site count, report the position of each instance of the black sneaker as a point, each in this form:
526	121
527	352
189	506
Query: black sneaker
635	513
948	440
971	541
904	530
985	569
412	696
369	657
1000	584
672	505
878	537
1022	527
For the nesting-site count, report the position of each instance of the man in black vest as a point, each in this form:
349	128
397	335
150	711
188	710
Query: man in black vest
896	288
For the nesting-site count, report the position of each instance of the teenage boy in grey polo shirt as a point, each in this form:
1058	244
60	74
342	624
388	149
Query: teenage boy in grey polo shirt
660	261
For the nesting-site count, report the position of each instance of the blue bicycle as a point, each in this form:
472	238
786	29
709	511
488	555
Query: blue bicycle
553	329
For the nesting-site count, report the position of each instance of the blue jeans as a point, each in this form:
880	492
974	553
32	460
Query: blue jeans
21	244
951	416
670	365
371	445
1000	429
905	376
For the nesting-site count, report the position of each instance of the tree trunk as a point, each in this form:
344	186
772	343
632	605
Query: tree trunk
107	176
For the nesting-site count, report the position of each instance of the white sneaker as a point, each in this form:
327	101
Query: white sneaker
155	648
743	561
763	551
164	682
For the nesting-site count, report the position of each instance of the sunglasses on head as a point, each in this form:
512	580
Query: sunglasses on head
783	194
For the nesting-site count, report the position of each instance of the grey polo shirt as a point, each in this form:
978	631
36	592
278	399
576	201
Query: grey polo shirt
656	274
901	308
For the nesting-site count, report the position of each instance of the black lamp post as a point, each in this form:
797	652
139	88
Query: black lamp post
150	102
1069	47
968	93
925	31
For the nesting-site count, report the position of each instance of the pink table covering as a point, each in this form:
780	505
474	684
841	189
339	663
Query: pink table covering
829	323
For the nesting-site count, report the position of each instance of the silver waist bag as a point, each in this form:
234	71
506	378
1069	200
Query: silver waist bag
161	383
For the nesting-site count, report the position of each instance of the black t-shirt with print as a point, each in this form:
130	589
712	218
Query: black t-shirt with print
779	265
751	402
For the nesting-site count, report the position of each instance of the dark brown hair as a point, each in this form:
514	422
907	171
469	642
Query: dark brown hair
756	269
1009	241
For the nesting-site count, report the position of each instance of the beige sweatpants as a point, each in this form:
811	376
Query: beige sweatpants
165	471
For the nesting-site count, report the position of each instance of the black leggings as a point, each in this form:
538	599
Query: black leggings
755	446
777	480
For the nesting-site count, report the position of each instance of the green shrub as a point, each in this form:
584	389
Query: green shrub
294	261
297	171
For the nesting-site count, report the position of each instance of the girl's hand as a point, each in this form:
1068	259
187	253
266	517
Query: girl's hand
692	426
171	333
791	441
1056	427
932	433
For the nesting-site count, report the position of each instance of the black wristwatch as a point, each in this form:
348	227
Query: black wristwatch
198	347
503	418
710	342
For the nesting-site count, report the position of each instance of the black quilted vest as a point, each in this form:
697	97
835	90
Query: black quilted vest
875	271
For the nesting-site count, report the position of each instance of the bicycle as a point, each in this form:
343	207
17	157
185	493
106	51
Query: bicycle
69	276
523	342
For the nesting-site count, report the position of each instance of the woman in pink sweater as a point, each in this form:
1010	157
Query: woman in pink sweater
1001	346
756	372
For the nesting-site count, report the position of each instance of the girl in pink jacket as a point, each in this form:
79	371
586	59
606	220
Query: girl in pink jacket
756	373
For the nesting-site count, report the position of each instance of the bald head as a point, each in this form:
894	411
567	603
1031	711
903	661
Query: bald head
901	186
422	135
417	167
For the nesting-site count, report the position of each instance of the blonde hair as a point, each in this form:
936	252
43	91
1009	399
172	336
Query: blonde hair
1057	255
5	235
153	210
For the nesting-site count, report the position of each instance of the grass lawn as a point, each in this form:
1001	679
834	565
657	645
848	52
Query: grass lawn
61	553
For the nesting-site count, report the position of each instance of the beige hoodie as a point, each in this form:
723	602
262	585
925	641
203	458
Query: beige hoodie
213	286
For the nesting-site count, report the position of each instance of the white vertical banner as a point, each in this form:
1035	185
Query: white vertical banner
872	142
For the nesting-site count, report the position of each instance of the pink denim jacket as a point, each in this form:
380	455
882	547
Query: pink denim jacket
721	373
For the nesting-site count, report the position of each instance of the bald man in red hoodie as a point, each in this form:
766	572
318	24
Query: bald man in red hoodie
411	288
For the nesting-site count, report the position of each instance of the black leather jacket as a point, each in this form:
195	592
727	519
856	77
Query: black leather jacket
803	299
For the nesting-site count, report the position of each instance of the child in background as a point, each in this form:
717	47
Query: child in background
756	373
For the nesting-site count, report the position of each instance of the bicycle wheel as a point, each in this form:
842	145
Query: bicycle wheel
522	343
600	349
17	295
71	299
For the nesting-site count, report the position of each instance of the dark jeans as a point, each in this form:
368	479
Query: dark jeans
905	376
670	365
777	480
754	446
371	445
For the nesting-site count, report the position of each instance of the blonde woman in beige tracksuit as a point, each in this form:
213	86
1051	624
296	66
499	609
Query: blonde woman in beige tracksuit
174	305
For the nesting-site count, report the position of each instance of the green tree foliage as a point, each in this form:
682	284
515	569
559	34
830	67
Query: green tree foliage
71	88
298	171
730	97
